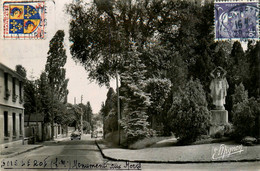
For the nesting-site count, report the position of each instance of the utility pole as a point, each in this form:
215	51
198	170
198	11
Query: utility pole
52	118
118	107
81	117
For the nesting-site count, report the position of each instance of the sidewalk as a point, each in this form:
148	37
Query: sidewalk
15	150
203	153
19	149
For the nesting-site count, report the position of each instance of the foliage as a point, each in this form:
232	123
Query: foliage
20	70
239	67
246	118
45	97
111	122
31	98
159	90
87	112
190	116
102	32
86	126
54	76
246	113
253	57
109	112
54	67
97	122
135	99
240	94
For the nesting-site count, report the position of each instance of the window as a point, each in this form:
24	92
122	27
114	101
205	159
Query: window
6	124
14	90
20	124
59	129
7	93
21	91
14	125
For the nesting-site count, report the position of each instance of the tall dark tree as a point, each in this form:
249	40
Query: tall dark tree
240	67
135	98
253	56
31	99
45	96
54	67
56	73
237	72
89	113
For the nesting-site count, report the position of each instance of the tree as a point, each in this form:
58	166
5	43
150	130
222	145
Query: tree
239	68
240	94
20	70
189	113
55	73
109	112
54	67
45	97
87	112
31	99
246	114
135	99
102	32
237	72
253	58
159	90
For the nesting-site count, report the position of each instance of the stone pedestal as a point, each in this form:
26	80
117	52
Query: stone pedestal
219	118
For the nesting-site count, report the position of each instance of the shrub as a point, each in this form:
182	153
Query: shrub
240	94
246	118
245	114
191	118
218	134
229	130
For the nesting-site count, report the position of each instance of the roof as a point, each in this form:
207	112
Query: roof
34	118
11	72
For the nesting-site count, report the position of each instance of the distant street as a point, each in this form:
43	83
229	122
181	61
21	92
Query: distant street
84	155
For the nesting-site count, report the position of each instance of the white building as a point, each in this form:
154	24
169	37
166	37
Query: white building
11	107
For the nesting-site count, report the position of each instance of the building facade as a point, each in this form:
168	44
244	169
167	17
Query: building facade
11	106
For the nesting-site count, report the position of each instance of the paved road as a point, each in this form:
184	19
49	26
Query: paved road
84	155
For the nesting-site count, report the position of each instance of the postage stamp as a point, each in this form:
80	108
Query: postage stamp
236	19
24	20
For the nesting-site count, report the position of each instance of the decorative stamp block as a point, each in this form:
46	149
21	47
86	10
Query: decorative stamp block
24	20
236	19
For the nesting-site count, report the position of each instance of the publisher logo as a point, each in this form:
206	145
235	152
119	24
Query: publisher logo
225	151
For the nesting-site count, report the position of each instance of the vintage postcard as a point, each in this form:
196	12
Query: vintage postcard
129	85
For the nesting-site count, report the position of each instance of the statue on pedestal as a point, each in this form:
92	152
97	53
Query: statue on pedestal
218	87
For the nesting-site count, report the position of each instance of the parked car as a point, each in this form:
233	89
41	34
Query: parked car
76	135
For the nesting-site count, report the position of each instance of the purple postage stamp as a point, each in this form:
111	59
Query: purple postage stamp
236	19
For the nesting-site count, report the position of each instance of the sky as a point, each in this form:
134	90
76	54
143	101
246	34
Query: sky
32	54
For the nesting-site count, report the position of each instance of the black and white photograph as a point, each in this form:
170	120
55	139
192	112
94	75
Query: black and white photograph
129	85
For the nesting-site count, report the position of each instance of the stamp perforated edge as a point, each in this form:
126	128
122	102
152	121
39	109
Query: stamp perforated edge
237	39
21	1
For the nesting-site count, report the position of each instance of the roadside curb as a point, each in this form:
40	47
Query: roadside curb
173	162
107	157
18	153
